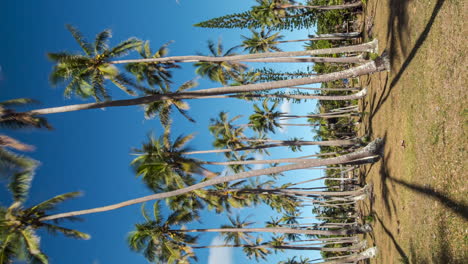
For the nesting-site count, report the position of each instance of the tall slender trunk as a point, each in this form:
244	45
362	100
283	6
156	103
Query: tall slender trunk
368	253
331	36
335	36
290	247
366	47
354	96
370	150
279	230
325	89
281	144
380	64
353	59
330	7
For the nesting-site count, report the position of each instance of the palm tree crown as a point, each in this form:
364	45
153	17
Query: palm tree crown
18	226
265	120
155	73
262	41
219	71
86	73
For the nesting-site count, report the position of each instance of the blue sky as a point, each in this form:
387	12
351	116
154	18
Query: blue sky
89	150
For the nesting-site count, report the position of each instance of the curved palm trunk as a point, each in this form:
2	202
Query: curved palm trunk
331	36
354	96
370	150
290	247
353	59
366	47
283	144
335	36
380	64
325	89
298	192
280	230
330	7
344	142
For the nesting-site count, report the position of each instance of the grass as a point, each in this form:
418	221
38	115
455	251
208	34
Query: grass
419	206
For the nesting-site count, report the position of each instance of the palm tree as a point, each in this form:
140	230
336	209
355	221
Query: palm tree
164	108
370	150
380	64
18	238
162	165
219	71
365	47
14	163
263	41
154	73
9	118
160	244
267	41
86	73
265	120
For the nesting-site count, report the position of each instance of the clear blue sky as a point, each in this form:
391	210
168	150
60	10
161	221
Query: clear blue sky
88	150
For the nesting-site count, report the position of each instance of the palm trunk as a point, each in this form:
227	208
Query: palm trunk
380	64
370	150
280	230
335	36
366	47
282	144
290	247
354	96
331	7
354	59
325	89
369	253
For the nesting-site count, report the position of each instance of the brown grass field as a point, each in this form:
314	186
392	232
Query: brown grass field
419	208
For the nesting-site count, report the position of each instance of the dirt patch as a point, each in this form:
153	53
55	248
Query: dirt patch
420	205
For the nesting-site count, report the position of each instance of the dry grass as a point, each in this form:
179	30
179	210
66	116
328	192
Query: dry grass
420	204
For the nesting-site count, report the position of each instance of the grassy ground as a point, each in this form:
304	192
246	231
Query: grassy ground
419	209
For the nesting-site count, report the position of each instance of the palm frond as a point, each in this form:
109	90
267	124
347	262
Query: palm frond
100	44
20	185
32	242
80	40
13	161
52	202
18	102
66	231
125	47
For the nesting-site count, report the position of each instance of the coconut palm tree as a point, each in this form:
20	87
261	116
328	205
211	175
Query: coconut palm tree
370	150
380	64
262	41
219	71
18	238
164	108
86	73
10	118
162	165
267	41
157	242
154	73
265	120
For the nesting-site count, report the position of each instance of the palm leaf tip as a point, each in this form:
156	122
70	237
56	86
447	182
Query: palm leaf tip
20	185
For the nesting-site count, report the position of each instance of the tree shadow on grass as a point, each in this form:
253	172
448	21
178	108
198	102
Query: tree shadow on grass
392	237
441	254
397	27
459	208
